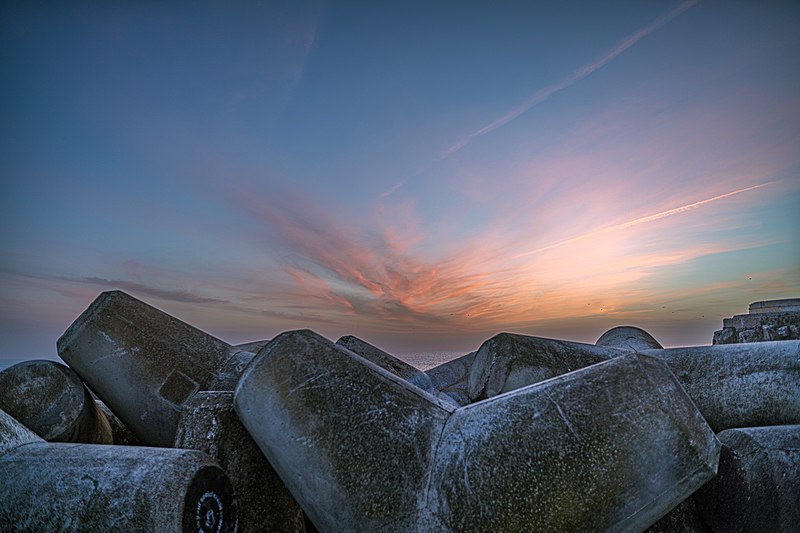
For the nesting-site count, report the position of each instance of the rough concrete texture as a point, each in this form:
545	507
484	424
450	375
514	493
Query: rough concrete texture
769	320
100	488
209	424
351	440
13	434
628	338
612	447
740	385
144	364
452	378
121	434
685	518
387	362
507	362
394	365
52	401
758	486
775	306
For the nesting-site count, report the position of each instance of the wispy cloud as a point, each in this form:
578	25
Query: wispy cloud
643	220
131	286
579	74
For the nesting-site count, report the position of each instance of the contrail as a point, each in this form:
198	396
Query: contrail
545	93
643	220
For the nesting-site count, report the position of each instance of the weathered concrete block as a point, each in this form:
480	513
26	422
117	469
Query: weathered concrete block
13	434
209	424
144	364
685	518
733	385
758	486
122	435
100	488
350	440
610	447
740	385
629	338
452	377
52	401
387	362
394	365
507	362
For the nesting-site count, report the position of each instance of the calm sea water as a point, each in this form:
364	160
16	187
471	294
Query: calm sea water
421	360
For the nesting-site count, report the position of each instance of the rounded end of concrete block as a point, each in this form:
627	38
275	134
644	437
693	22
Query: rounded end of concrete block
628	338
51	400
209	505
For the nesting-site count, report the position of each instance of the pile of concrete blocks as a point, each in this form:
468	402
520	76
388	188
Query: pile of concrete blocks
301	433
770	320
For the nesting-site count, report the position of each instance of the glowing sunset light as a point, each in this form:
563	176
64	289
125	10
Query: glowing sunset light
421	176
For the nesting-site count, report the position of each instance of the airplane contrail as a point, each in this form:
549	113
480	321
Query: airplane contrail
642	220
545	93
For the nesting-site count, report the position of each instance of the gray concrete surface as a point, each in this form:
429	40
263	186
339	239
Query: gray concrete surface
758	486
209	424
100	488
628	338
51	400
508	361
144	364
612	447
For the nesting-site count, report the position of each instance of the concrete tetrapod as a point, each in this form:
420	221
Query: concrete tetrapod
144	364
740	385
758	486
612	447
51	400
209	424
99	488
508	361
452	377
394	365
733	385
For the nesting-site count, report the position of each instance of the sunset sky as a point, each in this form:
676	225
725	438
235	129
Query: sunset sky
420	174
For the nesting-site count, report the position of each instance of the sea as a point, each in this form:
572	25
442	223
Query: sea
420	360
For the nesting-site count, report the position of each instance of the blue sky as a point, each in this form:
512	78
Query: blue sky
420	176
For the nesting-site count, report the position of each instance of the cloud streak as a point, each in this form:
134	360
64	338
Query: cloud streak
643	220
581	73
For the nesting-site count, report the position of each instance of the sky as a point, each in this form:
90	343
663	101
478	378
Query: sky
422	175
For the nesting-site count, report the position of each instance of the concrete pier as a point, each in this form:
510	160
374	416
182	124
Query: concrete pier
100	488
144	364
770	320
758	485
51	400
